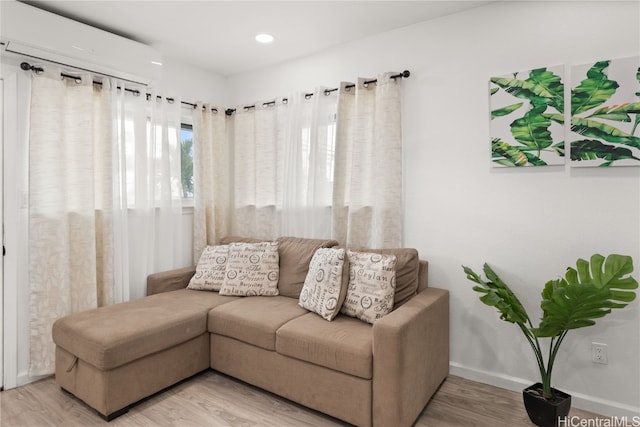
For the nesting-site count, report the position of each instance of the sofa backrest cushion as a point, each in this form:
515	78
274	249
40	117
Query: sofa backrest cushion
407	269
295	256
239	239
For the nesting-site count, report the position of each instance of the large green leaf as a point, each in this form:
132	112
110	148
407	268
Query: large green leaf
549	86
595	129
595	90
558	118
541	87
496	293
507	155
586	293
505	110
558	148
534	160
618	113
591	149
532	129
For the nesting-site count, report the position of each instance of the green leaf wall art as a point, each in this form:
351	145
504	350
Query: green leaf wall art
527	118
605	113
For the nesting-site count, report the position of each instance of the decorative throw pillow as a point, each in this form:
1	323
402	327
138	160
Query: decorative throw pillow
407	269
252	269
322	289
211	269
372	283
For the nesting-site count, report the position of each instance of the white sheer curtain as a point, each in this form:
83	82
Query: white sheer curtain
71	215
309	165
283	166
149	150
367	196
211	178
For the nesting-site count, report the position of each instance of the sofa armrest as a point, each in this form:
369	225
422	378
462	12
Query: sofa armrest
410	357
171	280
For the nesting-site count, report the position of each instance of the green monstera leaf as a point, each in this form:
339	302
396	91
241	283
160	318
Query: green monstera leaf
586	293
594	91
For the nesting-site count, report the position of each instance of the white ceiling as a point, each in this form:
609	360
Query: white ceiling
219	35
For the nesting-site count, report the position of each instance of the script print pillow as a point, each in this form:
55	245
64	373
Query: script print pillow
253	269
323	284
372	283
211	269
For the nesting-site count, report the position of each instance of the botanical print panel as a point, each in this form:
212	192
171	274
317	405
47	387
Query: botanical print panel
527	118
605	113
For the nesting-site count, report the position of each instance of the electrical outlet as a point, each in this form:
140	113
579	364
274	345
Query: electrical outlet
599	353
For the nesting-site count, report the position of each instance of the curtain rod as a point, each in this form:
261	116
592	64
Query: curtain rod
39	70
229	111
404	74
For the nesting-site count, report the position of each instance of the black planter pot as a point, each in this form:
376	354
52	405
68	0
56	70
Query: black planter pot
543	412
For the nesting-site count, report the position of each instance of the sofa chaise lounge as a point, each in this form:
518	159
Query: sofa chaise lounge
380	374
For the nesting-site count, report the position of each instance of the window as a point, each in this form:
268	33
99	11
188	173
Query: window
186	143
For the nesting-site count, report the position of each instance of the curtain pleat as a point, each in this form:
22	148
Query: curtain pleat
367	194
70	216
211	178
258	168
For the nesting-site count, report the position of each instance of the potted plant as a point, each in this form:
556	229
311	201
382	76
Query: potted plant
586	293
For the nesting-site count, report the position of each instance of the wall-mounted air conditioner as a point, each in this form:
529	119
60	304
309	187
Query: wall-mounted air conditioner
29	31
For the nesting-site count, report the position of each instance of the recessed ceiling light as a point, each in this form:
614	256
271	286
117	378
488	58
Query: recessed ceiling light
156	63
264	38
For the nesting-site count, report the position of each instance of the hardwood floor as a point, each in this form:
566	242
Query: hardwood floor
213	399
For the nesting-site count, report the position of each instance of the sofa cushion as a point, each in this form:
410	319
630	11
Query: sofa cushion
114	335
407	273
325	286
371	287
252	269
343	345
254	320
211	269
295	256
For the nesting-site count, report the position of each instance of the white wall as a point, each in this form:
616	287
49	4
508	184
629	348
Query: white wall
192	84
528	224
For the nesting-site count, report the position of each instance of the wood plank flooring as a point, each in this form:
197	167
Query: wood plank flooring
214	399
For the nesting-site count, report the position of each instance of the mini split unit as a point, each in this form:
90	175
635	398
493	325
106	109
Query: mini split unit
29	31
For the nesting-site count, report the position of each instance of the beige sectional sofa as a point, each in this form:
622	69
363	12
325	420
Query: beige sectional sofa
380	374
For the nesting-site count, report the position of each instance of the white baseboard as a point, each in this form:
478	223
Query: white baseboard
578	400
